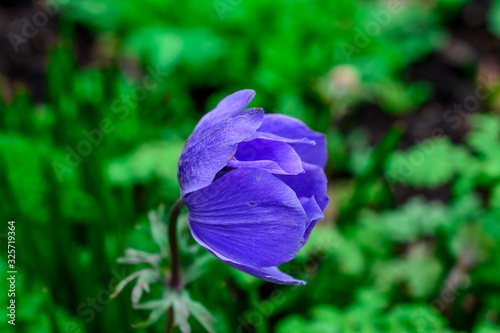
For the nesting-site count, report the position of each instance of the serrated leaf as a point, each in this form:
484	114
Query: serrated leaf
200	313
123	283
134	257
431	163
159	228
142	285
419	270
159	308
181	314
415	219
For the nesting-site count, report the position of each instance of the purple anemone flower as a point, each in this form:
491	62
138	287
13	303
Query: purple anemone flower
254	186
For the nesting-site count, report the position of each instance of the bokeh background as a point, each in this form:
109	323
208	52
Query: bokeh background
98	97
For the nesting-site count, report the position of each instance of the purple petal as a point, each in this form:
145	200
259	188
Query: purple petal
274	137
226	107
209	148
292	128
310	187
274	156
313	211
311	183
270	274
314	214
249	216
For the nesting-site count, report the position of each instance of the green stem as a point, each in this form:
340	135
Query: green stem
169	325
175	277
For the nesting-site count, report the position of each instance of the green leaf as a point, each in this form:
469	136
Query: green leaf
419	270
430	163
200	313
415	219
151	159
159	228
159	308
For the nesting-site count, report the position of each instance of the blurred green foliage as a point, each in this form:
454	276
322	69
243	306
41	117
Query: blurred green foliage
80	171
